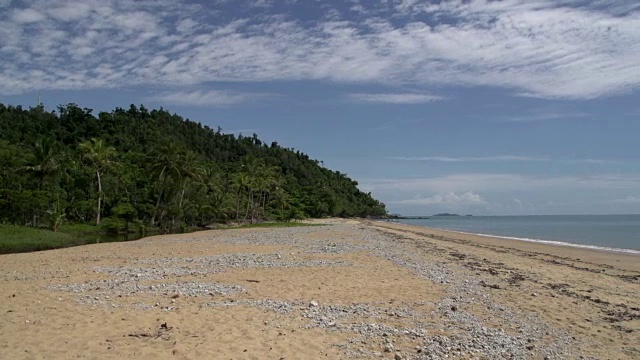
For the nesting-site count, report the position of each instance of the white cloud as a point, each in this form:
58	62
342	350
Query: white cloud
27	16
544	49
395	98
210	98
464	199
70	12
483	182
500	158
544	116
469	159
627	200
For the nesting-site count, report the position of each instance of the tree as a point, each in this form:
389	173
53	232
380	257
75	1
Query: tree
100	156
240	184
165	167
43	160
161	158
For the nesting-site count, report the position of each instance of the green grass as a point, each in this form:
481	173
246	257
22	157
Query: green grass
80	229
276	225
17	239
14	239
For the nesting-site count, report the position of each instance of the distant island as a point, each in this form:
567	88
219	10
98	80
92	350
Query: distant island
447	214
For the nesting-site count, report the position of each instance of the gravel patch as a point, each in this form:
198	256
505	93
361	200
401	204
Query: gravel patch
460	334
104	292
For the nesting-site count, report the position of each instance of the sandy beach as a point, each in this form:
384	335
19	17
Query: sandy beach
354	289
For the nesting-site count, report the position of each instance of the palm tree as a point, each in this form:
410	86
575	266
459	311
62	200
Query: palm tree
188	169
43	160
240	183
175	164
100	156
165	166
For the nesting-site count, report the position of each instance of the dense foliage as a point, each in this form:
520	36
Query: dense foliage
156	168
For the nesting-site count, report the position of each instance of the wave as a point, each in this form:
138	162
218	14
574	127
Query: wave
553	242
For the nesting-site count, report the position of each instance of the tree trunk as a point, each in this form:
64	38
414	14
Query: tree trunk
238	208
155	213
99	197
249	205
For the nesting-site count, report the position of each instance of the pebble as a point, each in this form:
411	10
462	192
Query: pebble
461	335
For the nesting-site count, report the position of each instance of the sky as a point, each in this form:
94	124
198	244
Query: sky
474	107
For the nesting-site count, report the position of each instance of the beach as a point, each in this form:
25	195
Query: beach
345	289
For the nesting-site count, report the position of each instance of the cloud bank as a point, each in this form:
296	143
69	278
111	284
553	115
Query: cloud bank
449	199
547	49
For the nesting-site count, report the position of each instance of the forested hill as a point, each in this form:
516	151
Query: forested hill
156	168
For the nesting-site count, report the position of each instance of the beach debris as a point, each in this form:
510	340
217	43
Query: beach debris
491	286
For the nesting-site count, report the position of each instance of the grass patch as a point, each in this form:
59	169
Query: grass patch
80	229
277	225
14	239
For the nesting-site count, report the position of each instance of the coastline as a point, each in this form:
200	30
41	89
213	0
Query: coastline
628	258
600	232
353	289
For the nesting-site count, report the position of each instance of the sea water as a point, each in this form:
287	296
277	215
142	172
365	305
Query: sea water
605	232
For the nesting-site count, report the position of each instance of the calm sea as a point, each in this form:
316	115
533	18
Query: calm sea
609	232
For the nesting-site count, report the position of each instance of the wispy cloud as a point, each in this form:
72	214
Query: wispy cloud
544	116
209	98
395	98
627	200
486	182
500	158
27	16
469	159
548	49
464	199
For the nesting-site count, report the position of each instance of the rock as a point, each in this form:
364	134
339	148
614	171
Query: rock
388	348
313	304
398	357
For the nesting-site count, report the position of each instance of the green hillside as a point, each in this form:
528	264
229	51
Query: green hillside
154	168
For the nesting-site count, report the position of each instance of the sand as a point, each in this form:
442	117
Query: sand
347	289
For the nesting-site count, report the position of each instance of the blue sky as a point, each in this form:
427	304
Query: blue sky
483	107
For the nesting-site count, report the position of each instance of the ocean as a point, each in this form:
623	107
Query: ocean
603	232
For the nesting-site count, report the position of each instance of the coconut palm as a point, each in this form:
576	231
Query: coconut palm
240	184
165	166
100	156
43	161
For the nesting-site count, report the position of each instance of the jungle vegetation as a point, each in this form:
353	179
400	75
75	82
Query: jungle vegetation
150	168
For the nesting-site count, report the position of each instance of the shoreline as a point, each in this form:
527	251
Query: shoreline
628	260
532	240
354	289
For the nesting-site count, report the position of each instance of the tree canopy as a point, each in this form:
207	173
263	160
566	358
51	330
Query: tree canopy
157	168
